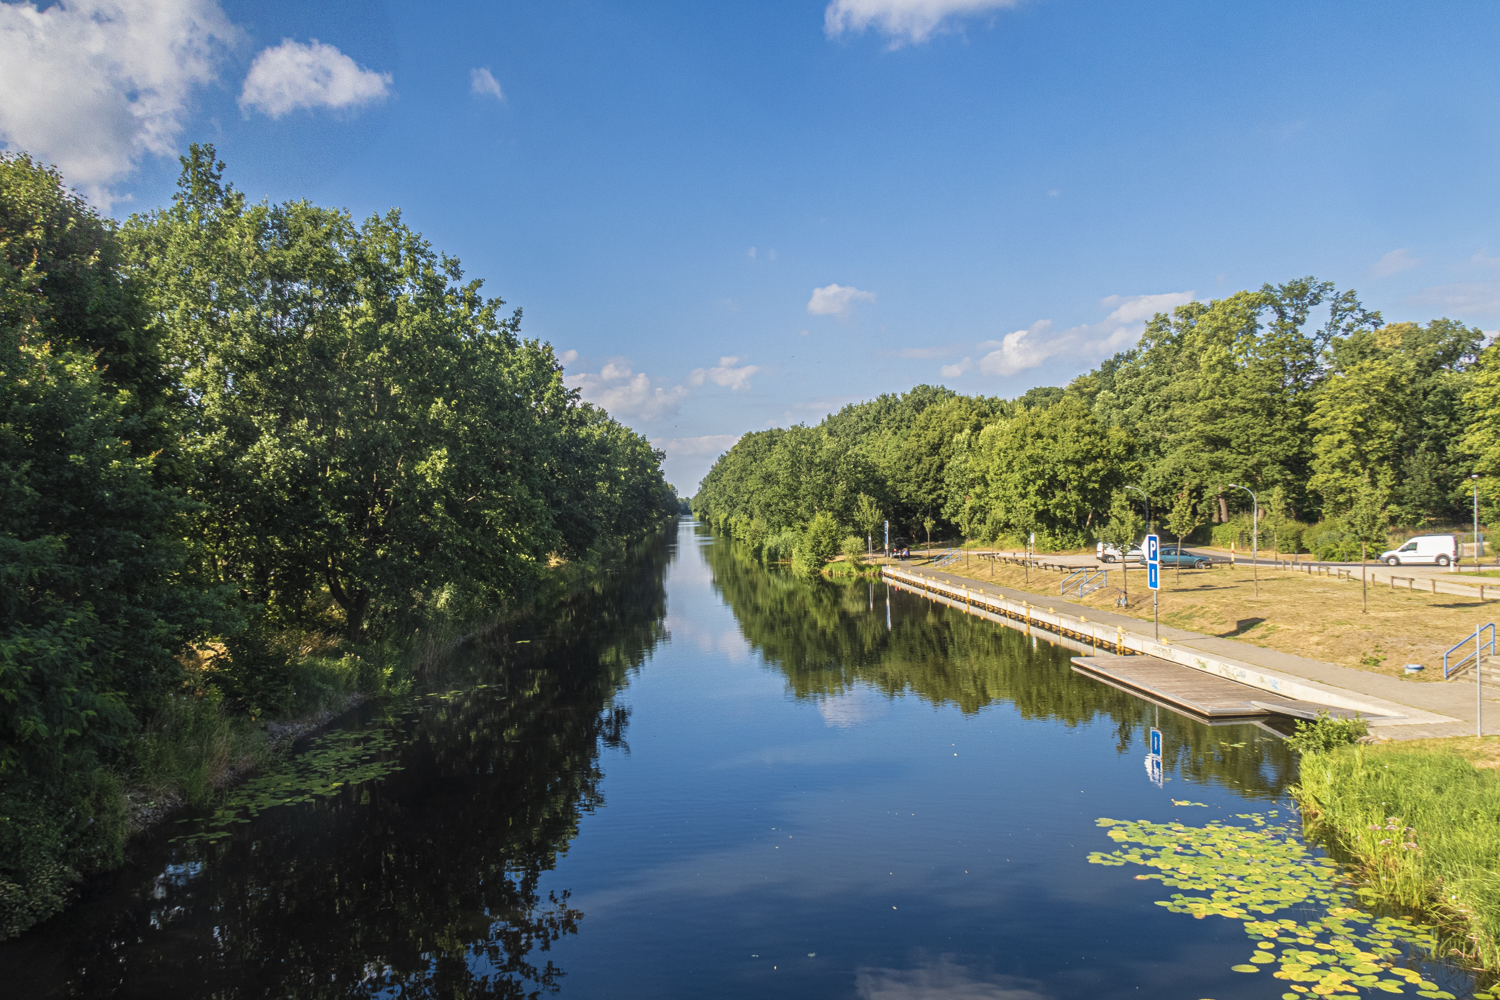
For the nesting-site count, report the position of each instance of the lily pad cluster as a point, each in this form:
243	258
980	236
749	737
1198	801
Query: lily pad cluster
334	762
1253	872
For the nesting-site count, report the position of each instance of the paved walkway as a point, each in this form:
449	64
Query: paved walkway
1454	699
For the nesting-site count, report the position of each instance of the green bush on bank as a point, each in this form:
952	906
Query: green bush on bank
1326	733
1424	828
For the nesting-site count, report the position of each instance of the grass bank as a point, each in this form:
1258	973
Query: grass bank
1420	822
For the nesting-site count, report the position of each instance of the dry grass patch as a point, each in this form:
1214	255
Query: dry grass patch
1317	617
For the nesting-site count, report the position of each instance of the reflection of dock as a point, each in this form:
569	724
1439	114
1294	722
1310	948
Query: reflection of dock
1197	691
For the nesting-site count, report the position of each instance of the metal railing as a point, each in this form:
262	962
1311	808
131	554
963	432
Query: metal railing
945	559
1084	581
1475	644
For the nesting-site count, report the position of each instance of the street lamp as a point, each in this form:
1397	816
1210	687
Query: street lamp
1477	547
1254	533
1148	504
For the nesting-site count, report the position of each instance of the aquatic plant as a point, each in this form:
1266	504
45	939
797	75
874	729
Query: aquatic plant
334	762
1254	872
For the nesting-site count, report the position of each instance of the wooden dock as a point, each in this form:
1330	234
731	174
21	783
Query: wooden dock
1205	695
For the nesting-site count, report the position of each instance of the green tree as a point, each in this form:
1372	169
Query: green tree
867	515
94	605
1185	517
818	544
1121	531
1481	441
1052	469
1359	419
1367	519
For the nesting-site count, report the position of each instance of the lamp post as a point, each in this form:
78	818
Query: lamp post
1477	547
1254	533
1148	504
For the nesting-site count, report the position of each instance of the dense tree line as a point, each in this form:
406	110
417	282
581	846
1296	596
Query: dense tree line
228	426
1336	419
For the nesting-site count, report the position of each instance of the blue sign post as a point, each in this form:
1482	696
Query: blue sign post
1153	578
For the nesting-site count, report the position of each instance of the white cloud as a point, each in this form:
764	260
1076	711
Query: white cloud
750	253
94	85
953	371
927	353
1023	349
1468	297
944	979
294	75
1485	260
483	83
689	459
626	393
1394	263
708	444
902	20
725	374
836	300
567	357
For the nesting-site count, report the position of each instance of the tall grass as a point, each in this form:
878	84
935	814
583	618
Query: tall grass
1424	827
190	747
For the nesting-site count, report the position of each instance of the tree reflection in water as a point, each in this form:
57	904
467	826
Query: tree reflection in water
422	884
830	639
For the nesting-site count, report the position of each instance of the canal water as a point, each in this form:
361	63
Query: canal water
709	780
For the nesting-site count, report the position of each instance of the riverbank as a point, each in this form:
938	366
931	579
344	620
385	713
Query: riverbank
200	744
198	747
1417	821
1318	617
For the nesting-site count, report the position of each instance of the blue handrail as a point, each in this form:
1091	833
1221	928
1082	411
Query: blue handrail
1473	640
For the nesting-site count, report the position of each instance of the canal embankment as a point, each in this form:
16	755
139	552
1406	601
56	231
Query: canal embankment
1397	708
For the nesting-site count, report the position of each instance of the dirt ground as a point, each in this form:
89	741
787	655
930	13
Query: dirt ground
1318	617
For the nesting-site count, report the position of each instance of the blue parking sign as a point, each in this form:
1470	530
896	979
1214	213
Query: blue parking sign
1153	549
1153	575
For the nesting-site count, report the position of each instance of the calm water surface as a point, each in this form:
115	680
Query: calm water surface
709	782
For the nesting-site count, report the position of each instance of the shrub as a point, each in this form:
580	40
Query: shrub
1332	541
853	548
1326	733
820	540
778	547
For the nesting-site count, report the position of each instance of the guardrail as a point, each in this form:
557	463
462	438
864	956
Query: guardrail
1479	648
1084	581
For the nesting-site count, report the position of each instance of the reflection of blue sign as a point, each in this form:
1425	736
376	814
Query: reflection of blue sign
1153	549
1153	770
1153	575
1156	742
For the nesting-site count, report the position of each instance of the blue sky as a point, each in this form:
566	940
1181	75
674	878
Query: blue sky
733	215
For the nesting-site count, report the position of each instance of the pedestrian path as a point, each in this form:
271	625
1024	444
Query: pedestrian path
1398	708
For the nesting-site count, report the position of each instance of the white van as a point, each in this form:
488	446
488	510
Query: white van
1440	550
1108	553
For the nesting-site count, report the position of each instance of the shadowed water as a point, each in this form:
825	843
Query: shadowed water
709	780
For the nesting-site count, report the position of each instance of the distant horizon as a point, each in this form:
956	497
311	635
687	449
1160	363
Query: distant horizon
739	216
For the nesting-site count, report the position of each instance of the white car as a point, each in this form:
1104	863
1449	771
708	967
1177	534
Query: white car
1437	550
1108	553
